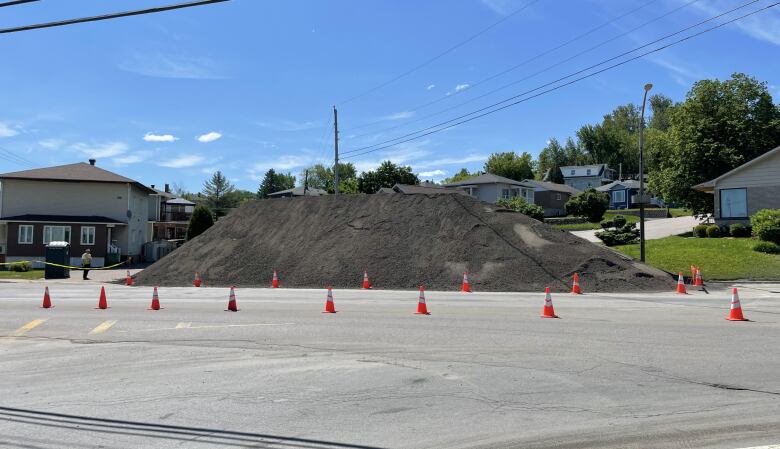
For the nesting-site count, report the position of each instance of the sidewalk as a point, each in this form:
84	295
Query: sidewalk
654	229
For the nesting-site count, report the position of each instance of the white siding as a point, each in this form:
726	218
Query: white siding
762	173
22	197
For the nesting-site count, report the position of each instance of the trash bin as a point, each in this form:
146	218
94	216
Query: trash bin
59	253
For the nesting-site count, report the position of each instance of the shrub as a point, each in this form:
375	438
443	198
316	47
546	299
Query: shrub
590	203
518	204
21	266
713	231
628	227
739	230
612	238
202	219
700	231
766	225
766	247
619	221
606	224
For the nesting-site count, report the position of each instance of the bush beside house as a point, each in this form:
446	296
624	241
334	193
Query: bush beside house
518	204
202	219
590	203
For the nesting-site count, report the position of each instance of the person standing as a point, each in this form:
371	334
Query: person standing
86	262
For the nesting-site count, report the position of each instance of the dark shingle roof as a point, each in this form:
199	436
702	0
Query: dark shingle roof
554	187
425	189
487	178
81	171
62	218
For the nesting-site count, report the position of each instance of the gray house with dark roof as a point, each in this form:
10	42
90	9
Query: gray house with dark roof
491	188
79	203
551	196
583	177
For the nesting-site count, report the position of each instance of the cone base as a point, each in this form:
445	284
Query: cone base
45	307
422	313
231	310
102	308
328	311
549	316
152	308
465	290
736	319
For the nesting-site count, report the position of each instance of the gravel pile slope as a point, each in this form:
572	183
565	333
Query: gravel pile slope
402	241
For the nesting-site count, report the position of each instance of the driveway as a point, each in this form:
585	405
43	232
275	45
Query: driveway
654	229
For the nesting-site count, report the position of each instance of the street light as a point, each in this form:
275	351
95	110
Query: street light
648	86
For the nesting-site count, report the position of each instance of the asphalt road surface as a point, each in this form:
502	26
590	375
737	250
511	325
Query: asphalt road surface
482	371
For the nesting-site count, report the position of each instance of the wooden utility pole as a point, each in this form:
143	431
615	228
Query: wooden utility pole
336	147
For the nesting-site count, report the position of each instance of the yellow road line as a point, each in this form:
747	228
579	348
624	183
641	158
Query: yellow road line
183	325
102	327
28	327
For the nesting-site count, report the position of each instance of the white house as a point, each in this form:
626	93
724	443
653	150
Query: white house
491	188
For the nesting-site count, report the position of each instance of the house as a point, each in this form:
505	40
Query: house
622	194
78	203
583	177
491	188
175	214
297	191
427	188
741	192
551	196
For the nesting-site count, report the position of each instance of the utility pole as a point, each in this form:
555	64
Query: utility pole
305	181
648	86
336	147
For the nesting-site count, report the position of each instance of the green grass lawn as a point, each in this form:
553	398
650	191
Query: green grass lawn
718	259
32	274
680	212
585	226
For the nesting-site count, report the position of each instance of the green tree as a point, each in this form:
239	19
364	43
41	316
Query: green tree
387	175
590	204
660	109
348	186
275	182
554	156
463	174
217	191
322	177
512	166
719	126
238	197
202	218
518	204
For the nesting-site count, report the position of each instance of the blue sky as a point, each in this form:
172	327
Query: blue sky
247	85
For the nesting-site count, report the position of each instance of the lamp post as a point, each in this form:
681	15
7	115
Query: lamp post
648	86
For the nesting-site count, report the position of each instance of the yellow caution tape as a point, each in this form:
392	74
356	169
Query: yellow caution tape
65	266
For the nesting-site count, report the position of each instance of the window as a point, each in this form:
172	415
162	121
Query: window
733	203
557	196
56	234
25	234
87	235
588	172
572	172
619	196
504	193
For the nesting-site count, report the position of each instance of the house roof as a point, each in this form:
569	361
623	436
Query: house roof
487	178
298	191
425	189
582	170
628	183
79	172
180	201
709	186
551	186
62	219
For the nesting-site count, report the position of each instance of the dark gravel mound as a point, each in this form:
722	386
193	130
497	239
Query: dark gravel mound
403	241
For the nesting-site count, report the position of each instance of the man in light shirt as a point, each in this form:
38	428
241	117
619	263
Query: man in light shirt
86	262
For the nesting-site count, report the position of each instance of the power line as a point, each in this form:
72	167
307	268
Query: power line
109	16
16	2
12	157
531	59
497	109
440	55
559	79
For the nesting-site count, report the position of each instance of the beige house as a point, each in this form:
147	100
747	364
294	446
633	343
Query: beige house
491	188
743	191
79	203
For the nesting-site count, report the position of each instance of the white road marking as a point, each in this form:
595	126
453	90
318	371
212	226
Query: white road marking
183	325
771	446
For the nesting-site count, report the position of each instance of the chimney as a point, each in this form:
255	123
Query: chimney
152	186
92	161
167	188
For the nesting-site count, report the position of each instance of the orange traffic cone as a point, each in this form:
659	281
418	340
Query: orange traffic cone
736	307
699	281
102	303
196	282
232	307
155	301
422	309
46	298
681	285
366	282
548	311
694	269
329	306
275	281
465	287
128	279
575	286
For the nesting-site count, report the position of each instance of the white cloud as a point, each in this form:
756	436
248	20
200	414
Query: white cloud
430	86
51	144
149	137
502	7
161	65
133	158
289	125
109	149
677	71
451	161
434	174
764	26
6	130
209	137
398	115
182	161
461	87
